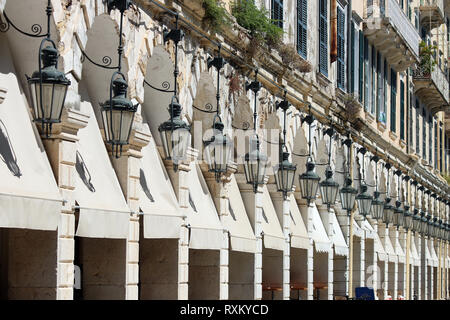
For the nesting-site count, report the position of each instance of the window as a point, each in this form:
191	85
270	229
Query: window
402	110
340	49
393	99
277	12
361	67
373	87
435	144
441	157
430	138
385	95
380	92
352	58
323	37
424	130
302	28
417	127
366	74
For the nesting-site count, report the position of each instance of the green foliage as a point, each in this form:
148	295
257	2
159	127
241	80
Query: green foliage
427	61
216	16
447	178
257	22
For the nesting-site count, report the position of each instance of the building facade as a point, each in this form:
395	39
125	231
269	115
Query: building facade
79	222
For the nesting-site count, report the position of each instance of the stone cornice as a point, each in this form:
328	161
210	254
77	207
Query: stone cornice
71	121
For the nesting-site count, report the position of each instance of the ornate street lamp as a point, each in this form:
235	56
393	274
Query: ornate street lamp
398	211
430	226
417	221
377	204
255	162
309	180
175	133
118	112
388	210
285	170
347	192
329	188
219	147
408	218
48	86
364	198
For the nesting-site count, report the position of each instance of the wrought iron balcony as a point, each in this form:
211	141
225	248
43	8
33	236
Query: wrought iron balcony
431	13
388	28
431	86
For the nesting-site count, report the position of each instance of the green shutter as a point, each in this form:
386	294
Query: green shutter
352	58
393	99
361	67
277	12
302	28
402	110
323	37
340	48
366	74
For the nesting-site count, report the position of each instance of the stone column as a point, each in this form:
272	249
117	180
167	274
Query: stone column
61	150
402	239
419	269
375	276
219	192
179	181
286	251
384	238
394	233
424	269
363	261
328	224
310	254
127	168
431	280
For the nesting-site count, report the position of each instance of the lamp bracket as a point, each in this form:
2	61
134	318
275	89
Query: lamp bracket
375	158
217	62
347	142
362	150
329	132
120	5
421	188
414	183
309	119
284	105
176	35
255	86
398	172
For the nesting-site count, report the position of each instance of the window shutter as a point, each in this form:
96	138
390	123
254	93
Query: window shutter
393	99
417	127
402	110
302	28
323	37
277	12
361	67
385	94
424	130
430	137
341	48
380	92
366	74
352	58
373	87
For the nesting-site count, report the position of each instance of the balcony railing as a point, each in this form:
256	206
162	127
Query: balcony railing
438	94
433	3
390	10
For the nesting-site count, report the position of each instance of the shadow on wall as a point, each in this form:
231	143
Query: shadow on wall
84	173
7	153
144	185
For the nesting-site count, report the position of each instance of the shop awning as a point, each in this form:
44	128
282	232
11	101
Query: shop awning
414	254
434	256
299	233
162	215
321	241
428	258
242	237
389	248
104	212
273	234
368	229
400	252
379	248
357	230
206	231
340	245
29	195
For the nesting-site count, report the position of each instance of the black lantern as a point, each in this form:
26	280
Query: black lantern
285	175
285	170
388	212
255	161
118	114
309	182
435	227
430	226
348	195
329	188
377	207
255	166
398	215
424	223
408	218
219	147
364	201
218	150
48	88
416	221
175	134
